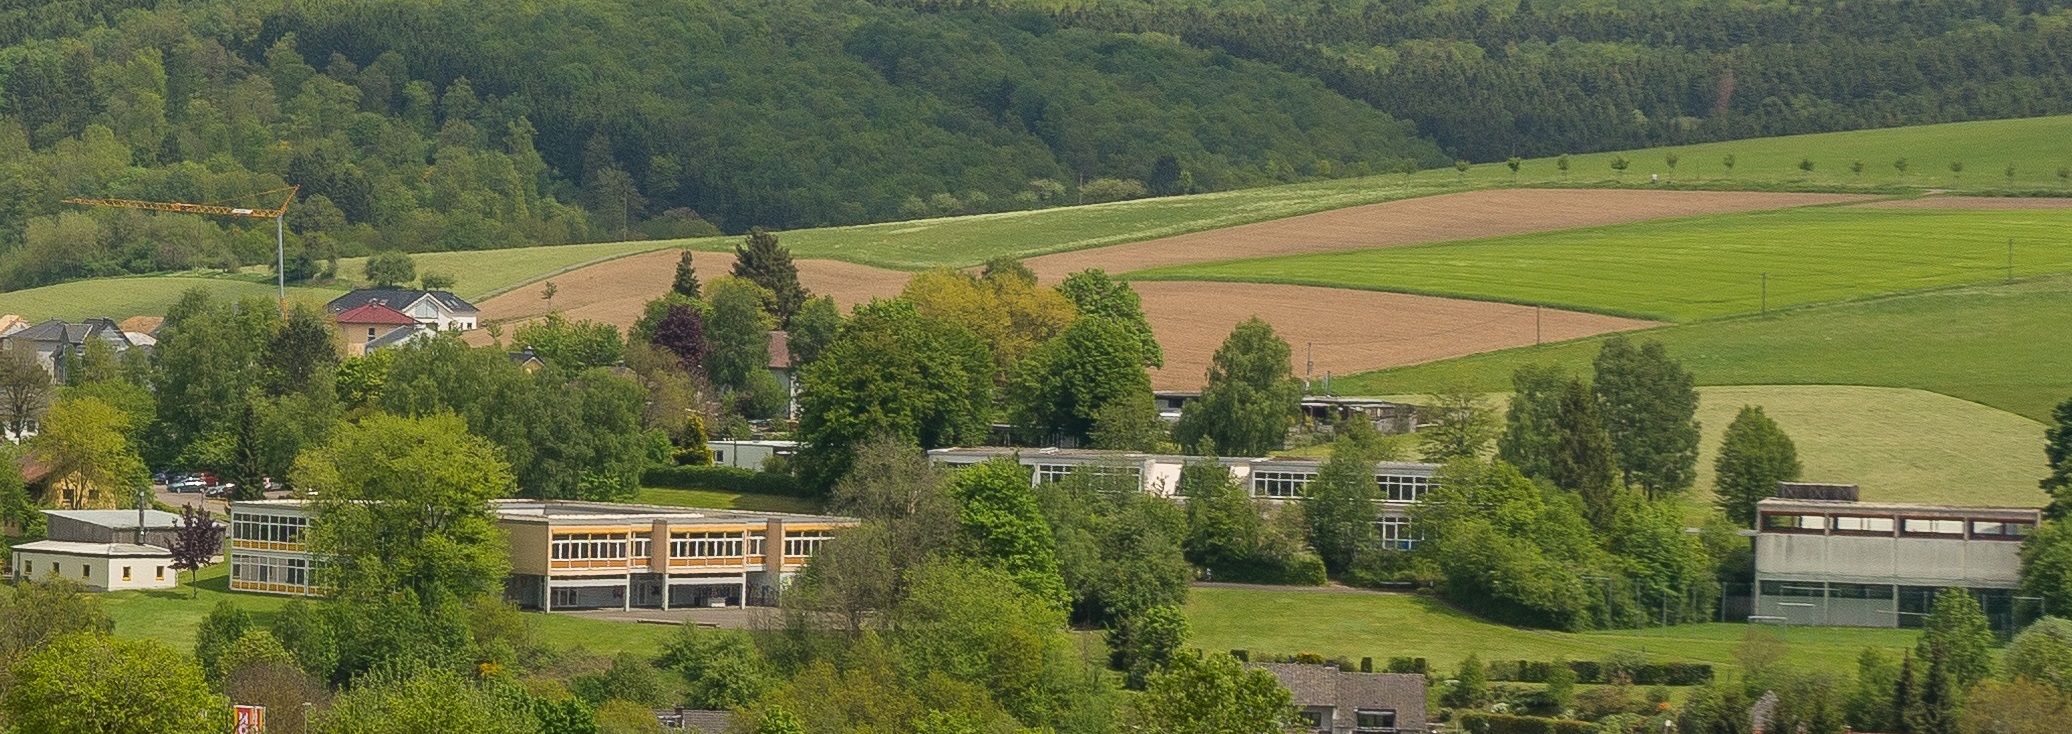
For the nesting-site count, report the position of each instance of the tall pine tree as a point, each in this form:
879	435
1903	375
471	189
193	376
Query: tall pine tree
686	282
765	263
1529	434
1649	408
2057	448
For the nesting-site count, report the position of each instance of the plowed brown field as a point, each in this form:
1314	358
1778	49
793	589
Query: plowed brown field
1459	216
1345	331
1970	202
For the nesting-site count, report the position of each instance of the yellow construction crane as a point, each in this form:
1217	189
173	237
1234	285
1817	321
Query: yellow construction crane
279	217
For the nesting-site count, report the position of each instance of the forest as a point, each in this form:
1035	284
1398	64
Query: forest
420	125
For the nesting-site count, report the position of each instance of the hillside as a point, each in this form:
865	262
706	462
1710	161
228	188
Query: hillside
2000	345
436	125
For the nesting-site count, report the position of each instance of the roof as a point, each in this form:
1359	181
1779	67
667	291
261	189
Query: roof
397	336
142	324
1774	504
577	510
375	313
397	298
95	550
523	356
118	519
1326	685
706	722
11	323
1089	456
56	330
780	350
33	471
48	331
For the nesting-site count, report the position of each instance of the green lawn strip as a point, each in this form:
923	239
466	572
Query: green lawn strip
724	500
1694	268
1381	626
121	298
1999	345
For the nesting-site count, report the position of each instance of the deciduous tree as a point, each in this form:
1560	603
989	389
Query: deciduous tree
84	442
196	542
1753	457
1250	398
96	683
390	269
572	346
1464	425
1210	693
1059	389
737	333
1093	293
891	371
1583	461
1530	435
24	387
1958	636
2043	653
1000	525
1649	408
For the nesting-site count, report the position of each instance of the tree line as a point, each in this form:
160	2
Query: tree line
413	127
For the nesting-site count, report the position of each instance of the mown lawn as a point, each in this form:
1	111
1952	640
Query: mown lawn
2000	345
1694	268
723	500
1381	626
121	298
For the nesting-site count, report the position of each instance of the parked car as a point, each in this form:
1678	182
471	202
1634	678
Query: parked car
187	484
220	490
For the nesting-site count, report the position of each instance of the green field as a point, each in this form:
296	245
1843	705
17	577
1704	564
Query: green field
121	298
479	274
722	500
1356	624
2000	345
1693	268
2036	145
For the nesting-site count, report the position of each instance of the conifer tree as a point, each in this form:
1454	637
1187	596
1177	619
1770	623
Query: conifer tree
686	283
1529	436
764	262
2057	449
1582	461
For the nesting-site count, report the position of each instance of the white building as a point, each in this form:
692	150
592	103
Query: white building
437	310
1399	484
747	454
1865	564
97	566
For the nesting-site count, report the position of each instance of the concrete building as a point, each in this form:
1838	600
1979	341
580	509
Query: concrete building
1399	484
1332	701
579	555
97	566
747	454
1866	564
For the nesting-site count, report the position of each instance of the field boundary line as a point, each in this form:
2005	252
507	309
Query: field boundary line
570	268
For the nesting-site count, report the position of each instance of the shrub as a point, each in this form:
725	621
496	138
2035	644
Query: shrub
722	478
1480	722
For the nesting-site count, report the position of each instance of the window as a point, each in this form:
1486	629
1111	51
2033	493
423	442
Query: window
1401	488
589	547
705	545
125	573
268	573
28	568
1280	484
86	571
719	457
1795	522
564	597
1999	530
1315	719
370	332
1860	591
643	546
1396	533
1813	589
756	540
804	543
253	528
161	573
1927	526
1847	524
1374	720
1051	473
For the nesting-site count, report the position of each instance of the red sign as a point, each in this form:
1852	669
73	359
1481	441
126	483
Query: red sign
250	719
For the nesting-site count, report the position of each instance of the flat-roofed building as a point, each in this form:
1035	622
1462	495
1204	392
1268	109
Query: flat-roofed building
1872	564
579	555
96	566
1399	485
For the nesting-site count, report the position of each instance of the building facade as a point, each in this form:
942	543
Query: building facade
1865	564
96	566
579	555
748	454
1332	701
437	310
111	526
1399	485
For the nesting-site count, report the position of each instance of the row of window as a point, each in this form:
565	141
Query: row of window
1365	721
86	571
714	545
617	546
1291	485
588	546
268	528
269	570
1051	473
1981	529
1396	533
805	542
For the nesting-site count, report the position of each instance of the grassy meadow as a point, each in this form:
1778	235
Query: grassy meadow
2000	345
121	298
1357	624
1693	268
724	500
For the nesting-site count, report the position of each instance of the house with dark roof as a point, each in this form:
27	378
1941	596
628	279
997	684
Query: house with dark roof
435	309
1333	701
112	526
781	368
52	340
365	328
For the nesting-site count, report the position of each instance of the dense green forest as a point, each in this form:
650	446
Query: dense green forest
1488	80
434	125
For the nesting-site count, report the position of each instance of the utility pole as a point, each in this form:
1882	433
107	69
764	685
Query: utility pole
1309	360
1537	331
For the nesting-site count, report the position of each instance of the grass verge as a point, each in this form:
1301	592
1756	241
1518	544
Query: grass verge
723	500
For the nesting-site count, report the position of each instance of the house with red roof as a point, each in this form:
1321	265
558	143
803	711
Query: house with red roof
371	326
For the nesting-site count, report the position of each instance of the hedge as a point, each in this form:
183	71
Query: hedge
1483	722
1591	671
722	478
